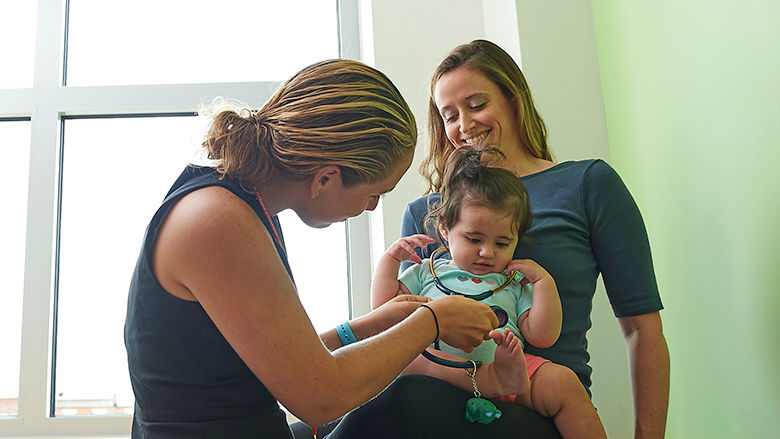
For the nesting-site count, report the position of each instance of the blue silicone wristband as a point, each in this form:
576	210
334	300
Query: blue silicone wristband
345	334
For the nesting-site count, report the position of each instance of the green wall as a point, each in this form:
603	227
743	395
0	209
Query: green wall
692	103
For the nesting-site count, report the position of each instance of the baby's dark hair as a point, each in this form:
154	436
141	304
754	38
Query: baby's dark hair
472	178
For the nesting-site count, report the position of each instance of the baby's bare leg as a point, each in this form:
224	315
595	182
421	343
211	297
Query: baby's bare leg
557	392
508	367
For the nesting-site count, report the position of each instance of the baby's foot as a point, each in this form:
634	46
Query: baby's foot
509	365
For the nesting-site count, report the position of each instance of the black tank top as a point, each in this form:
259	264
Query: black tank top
188	381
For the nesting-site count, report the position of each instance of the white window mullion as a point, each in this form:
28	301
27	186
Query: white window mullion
350	43
36	305
359	265
151	99
49	44
17	103
35	379
36	308
358	229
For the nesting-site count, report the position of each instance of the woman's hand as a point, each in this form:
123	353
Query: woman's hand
463	323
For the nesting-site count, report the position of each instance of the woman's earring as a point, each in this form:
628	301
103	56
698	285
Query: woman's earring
317	194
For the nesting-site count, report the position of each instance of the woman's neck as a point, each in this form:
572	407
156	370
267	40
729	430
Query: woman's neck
278	194
522	163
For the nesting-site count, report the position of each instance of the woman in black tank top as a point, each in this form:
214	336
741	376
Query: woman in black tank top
215	333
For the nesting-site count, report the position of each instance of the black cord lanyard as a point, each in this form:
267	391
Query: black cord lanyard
500	313
478	297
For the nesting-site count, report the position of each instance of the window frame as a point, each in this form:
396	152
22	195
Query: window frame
46	104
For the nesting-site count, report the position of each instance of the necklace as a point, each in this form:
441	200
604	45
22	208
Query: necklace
270	221
281	245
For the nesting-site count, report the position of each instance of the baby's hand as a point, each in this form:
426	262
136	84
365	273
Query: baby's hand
532	271
403	249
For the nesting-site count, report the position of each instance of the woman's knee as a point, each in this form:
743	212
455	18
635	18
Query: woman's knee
410	394
406	388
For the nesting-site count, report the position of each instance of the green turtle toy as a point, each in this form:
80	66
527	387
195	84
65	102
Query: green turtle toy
481	410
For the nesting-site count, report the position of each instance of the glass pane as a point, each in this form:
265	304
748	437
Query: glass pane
105	209
318	259
13	222
192	41
110	190
17	43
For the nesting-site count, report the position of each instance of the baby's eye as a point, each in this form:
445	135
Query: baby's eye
474	240
502	244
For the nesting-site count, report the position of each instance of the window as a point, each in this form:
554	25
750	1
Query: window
196	41
106	105
13	198
17	43
109	191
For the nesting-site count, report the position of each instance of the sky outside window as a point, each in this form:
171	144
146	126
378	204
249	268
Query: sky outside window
13	223
195	41
17	43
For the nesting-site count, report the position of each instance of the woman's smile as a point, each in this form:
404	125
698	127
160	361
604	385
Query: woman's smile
474	141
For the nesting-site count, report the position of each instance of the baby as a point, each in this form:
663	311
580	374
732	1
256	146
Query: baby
482	215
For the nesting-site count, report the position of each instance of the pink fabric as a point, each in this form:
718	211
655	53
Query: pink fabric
532	363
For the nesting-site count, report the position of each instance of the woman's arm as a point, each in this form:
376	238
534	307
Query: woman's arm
213	247
378	320
621	246
648	359
540	325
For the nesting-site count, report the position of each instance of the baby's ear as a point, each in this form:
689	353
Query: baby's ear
443	232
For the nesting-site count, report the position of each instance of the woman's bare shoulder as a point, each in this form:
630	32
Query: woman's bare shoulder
206	230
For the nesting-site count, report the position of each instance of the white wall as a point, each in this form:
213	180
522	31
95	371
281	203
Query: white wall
558	52
407	46
560	61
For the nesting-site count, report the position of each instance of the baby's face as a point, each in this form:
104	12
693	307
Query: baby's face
482	241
